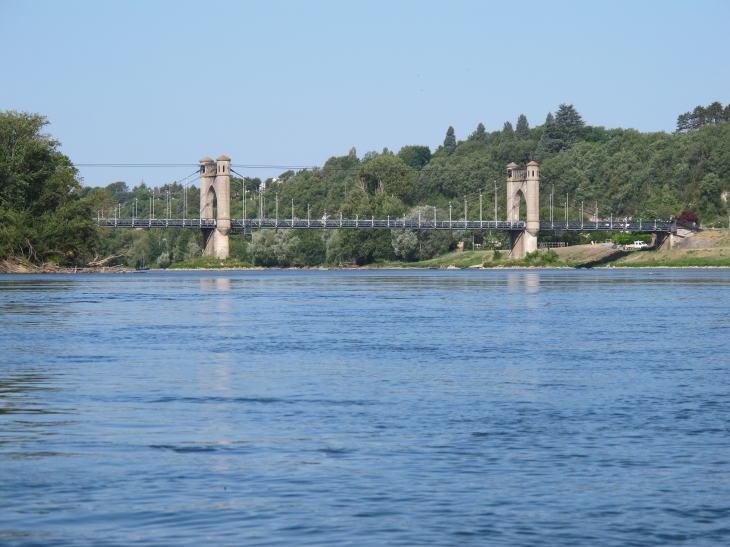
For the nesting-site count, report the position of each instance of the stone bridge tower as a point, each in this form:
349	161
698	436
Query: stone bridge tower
215	202
523	183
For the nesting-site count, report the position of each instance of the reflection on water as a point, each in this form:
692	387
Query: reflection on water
523	282
218	284
368	408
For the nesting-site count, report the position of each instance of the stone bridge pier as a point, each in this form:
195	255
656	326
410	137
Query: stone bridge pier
215	202
661	240
523	184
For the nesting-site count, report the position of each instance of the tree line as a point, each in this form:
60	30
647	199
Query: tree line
45	213
702	116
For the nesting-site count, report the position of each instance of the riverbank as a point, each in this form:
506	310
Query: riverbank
705	249
21	266
709	249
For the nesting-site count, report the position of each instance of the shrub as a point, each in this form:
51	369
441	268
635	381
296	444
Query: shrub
192	251
164	260
688	217
405	244
549	257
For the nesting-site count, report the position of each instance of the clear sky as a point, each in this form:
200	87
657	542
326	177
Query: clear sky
295	82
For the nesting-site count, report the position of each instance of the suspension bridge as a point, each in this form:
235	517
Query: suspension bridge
372	223
522	183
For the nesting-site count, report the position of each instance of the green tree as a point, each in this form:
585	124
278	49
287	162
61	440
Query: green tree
508	133
550	142
192	250
415	156
714	113
312	249
450	141
709	193
569	124
261	248
41	213
285	247
479	134
405	244
364	246
391	175
286	175
522	133
701	116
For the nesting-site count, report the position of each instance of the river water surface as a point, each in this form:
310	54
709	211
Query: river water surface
366	408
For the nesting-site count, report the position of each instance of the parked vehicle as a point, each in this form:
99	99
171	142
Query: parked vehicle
638	245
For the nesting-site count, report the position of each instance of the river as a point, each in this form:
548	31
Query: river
511	408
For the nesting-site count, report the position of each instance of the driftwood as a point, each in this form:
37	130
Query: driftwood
96	262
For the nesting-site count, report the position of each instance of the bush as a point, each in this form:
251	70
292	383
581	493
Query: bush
549	257
405	244
164	260
273	248
192	251
312	249
688	217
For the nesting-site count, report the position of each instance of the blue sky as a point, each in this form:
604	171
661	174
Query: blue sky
293	83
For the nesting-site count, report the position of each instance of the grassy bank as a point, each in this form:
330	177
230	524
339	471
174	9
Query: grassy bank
706	249
717	257
485	259
463	259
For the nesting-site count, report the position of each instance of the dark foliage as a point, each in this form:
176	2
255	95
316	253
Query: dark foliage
522	133
415	156
688	217
508	133
41	214
450	141
479	134
702	116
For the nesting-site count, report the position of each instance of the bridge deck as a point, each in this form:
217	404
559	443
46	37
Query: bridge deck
391	224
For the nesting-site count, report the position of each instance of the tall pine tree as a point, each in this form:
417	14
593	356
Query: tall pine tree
507	132
450	141
522	133
549	143
570	125
480	134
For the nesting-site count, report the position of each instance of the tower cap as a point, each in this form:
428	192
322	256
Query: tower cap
533	163
223	158
206	159
513	165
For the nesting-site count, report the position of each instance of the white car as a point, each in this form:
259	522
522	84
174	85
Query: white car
638	245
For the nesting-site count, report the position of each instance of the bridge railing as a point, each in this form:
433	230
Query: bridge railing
609	226
158	222
317	224
375	224
391	224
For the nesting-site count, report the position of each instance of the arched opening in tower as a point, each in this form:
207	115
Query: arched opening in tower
211	204
521	205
